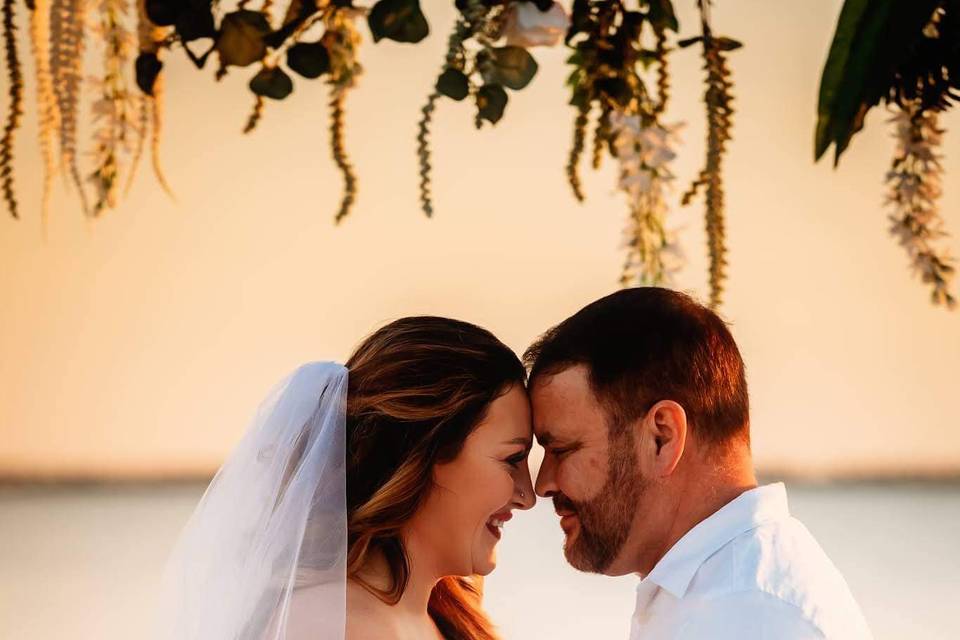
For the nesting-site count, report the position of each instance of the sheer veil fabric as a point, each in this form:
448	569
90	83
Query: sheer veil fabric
271	524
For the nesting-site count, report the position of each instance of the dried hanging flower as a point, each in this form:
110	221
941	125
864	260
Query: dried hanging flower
150	79
719	102
15	76
913	184
48	115
644	152
259	102
116	107
342	39
67	22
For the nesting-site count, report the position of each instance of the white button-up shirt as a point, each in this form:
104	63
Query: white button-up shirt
747	572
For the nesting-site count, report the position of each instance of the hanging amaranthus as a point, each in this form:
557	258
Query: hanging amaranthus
913	184
469	23
67	20
150	77
115	109
342	40
48	115
15	76
719	102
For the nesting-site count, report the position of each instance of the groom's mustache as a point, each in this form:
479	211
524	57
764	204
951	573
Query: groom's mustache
563	505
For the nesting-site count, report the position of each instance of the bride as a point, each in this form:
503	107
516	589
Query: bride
365	501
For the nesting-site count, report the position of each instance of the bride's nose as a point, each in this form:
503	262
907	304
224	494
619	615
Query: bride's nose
523	494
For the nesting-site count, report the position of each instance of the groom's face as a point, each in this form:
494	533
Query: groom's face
589	470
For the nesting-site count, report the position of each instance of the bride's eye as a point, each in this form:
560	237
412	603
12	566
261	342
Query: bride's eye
514	461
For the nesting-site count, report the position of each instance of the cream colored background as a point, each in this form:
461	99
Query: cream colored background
140	344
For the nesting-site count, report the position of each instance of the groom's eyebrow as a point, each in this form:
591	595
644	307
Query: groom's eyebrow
546	439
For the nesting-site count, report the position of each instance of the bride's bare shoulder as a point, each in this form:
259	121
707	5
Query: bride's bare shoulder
367	616
323	611
316	612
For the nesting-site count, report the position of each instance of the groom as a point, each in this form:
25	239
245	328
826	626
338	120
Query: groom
640	402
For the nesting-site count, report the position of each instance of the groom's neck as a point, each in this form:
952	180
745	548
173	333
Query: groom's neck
694	493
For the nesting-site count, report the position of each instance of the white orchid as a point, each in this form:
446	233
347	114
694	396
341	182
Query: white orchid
644	153
914	191
526	26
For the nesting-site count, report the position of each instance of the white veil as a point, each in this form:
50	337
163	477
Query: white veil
272	519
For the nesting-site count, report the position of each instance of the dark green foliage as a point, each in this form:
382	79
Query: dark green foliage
399	20
880	52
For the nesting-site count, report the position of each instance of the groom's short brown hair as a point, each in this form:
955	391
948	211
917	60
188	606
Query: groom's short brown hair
648	344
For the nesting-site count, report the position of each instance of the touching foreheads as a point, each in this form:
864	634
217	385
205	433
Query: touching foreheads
647	344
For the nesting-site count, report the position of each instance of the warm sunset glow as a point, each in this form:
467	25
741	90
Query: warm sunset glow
140	344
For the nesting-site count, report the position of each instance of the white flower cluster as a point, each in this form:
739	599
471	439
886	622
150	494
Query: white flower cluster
526	26
914	189
644	154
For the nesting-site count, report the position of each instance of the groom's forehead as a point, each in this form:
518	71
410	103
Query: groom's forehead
558	399
564	408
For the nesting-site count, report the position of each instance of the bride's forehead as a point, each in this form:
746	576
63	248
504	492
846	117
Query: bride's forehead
507	417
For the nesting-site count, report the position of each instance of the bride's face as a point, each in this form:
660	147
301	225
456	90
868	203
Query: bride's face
458	527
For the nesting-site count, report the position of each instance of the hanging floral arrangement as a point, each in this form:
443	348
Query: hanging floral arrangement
906	55
619	83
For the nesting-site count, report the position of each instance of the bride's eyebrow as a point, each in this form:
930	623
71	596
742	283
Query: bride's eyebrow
526	442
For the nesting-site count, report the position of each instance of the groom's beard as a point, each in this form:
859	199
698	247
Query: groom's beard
605	521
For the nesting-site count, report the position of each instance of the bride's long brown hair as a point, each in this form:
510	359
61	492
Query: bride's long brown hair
417	388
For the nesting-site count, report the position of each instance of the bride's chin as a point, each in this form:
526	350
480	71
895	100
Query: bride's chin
486	566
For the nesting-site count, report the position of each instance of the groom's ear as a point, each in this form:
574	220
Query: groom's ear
664	438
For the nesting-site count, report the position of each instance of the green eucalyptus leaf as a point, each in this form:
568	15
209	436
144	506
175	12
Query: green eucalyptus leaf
272	82
727	44
147	67
631	25
453	83
512	67
241	40
662	16
491	101
309	59
576	78
616	89
580	99
163	13
399	20
686	42
581	19
195	21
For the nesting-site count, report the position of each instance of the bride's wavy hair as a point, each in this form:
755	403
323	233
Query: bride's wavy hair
417	388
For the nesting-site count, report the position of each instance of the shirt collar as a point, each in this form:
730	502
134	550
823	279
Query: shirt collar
677	567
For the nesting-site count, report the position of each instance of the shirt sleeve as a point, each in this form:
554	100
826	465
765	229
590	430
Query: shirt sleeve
749	615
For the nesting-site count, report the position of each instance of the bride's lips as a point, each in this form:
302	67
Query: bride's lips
501	517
